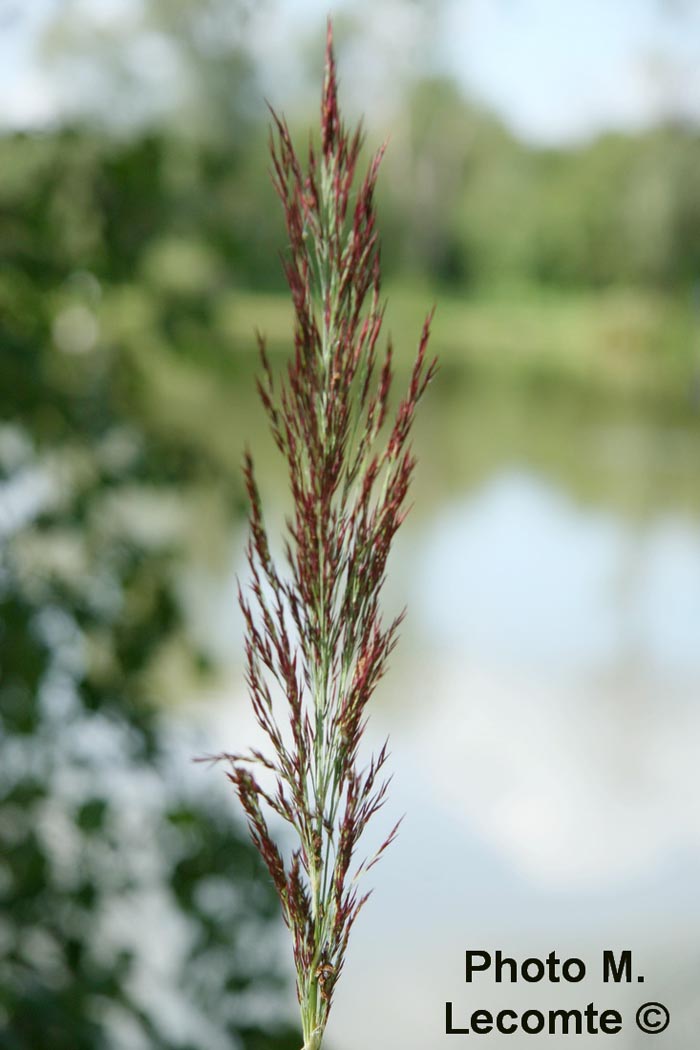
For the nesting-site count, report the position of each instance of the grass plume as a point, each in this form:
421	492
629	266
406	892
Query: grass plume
316	644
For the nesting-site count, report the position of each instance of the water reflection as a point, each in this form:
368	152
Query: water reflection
559	651
517	573
514	574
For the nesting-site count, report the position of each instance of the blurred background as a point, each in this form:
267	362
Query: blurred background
540	186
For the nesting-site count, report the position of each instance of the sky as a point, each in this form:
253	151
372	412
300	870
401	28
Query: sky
554	70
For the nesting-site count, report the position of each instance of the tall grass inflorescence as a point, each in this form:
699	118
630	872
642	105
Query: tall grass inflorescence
316	645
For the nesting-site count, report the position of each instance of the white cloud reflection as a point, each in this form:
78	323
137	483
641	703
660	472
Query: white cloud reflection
561	666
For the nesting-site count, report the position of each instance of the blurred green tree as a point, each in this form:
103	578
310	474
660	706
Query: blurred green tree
184	64
133	912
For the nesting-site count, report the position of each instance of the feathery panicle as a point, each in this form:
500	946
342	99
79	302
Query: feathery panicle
314	633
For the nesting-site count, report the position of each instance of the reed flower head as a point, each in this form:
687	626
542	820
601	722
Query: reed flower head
316	644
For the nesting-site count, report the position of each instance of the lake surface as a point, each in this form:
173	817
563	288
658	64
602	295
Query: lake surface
544	714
